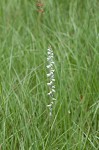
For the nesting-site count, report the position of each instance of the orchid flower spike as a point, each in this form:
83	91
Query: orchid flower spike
51	78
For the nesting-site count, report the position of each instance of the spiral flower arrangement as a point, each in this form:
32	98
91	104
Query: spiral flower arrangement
51	78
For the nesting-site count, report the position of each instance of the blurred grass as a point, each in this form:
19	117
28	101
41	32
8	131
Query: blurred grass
72	29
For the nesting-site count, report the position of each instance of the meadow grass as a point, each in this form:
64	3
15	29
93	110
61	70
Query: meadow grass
72	29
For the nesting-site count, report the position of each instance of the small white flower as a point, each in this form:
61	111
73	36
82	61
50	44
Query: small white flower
50	74
49	50
50	93
50	83
53	86
49	66
49	105
49	58
52	103
52	70
54	99
53	90
52	62
53	79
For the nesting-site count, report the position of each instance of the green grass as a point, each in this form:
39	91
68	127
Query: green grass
72	29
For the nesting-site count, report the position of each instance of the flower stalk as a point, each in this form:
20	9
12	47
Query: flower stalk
51	78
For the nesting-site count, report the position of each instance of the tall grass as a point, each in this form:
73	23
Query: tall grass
71	28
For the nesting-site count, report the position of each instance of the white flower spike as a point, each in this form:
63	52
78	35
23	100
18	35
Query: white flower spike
51	78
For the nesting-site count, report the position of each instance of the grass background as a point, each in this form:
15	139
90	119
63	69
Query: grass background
72	29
